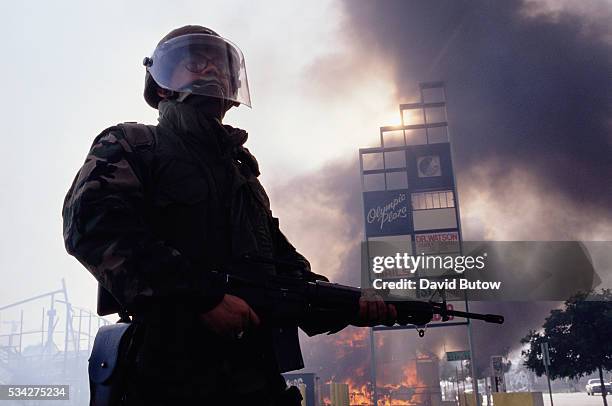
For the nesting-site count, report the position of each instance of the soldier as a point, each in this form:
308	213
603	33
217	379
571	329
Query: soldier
154	208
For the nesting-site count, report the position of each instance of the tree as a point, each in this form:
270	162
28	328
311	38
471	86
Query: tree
579	338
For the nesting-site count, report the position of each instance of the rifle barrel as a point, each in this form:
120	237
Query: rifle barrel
489	318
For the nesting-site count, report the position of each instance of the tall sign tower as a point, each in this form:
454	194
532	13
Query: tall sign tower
409	191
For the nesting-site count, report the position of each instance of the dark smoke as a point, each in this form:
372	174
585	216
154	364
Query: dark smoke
530	110
520	317
530	92
321	214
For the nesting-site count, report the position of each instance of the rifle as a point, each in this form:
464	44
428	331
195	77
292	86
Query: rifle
284	301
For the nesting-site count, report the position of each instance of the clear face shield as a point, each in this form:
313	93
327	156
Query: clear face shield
201	64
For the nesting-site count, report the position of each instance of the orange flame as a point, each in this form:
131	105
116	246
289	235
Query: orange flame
351	337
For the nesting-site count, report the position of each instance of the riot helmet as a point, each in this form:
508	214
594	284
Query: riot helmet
196	60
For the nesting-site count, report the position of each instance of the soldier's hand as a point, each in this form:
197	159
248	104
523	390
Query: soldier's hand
231	317
374	311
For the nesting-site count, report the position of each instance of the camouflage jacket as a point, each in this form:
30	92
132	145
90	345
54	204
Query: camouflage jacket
149	217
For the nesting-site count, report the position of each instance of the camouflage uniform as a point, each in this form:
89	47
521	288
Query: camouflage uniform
148	218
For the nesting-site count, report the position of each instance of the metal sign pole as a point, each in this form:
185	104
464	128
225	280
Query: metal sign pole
463	378
546	360
373	367
457	394
473	362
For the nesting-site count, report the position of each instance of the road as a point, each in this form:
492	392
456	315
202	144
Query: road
575	399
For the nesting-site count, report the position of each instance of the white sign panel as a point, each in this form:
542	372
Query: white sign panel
434	219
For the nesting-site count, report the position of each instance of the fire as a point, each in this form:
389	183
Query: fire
403	378
386	401
410	376
405	392
349	340
351	337
359	395
422	355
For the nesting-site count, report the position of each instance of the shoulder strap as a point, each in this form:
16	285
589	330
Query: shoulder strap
142	139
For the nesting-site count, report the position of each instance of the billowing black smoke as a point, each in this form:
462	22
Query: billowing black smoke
529	92
322	215
527	88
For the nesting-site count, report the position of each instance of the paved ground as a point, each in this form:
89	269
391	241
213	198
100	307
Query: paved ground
575	399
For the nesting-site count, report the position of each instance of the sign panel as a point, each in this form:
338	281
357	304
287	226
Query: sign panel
497	367
436	243
434	219
388	246
545	354
387	212
457	355
306	383
429	167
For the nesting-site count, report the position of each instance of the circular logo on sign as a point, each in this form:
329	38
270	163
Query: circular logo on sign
429	166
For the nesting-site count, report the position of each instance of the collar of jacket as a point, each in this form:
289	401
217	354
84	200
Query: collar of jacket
185	119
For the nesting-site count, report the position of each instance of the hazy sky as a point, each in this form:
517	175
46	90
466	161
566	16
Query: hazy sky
72	68
529	107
